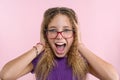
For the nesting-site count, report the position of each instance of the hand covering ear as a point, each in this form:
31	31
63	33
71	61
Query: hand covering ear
78	32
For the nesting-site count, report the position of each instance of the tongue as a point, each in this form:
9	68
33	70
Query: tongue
60	49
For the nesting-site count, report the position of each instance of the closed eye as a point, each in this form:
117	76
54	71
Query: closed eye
52	30
67	30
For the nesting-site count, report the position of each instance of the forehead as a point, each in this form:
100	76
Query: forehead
60	21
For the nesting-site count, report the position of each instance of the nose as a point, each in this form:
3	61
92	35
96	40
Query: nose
59	36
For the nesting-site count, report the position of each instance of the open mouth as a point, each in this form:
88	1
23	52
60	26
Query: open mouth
60	47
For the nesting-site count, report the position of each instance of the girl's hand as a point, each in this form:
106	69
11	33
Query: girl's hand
40	47
78	32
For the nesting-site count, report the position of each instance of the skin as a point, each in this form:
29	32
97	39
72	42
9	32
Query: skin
97	66
60	22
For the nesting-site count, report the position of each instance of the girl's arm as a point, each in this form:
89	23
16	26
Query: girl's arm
20	66
97	66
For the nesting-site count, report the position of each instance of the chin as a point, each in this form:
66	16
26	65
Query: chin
60	56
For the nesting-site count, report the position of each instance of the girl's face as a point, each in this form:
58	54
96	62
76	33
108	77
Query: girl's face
60	35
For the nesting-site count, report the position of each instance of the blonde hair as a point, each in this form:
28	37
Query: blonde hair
47	61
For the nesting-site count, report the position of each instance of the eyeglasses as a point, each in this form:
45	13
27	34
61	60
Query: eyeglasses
53	33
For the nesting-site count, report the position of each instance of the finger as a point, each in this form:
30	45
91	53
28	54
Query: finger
39	43
79	33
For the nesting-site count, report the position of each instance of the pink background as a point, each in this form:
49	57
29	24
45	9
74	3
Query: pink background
20	22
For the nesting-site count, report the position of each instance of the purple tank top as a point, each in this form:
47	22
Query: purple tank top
60	72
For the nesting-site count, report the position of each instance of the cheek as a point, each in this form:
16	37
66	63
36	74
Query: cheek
70	41
51	42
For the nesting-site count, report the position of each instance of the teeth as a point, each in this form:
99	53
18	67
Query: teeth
59	43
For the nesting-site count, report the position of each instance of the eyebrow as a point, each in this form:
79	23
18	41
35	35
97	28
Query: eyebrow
64	27
52	27
67	27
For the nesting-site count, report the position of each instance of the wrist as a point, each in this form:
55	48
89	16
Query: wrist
38	48
80	45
